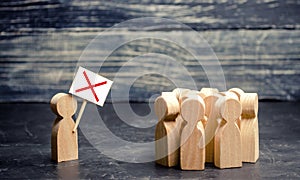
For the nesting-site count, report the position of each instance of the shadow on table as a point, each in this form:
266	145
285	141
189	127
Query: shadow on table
153	170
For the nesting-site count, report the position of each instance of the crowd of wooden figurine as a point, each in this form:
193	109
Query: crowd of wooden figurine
207	126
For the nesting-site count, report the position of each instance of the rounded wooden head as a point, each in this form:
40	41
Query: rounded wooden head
192	108
237	91
63	104
182	94
210	101
249	103
229	94
166	105
230	109
186	94
179	91
208	91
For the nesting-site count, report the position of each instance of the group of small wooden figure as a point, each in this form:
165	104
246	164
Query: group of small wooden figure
194	127
207	126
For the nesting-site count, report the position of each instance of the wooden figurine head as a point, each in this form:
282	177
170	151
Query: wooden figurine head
237	91
210	96
179	91
166	106
63	105
229	107
193	109
204	92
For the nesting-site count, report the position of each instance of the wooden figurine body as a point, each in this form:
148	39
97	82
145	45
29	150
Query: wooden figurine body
211	126
64	144
228	152
249	127
210	97
192	150
167	144
167	135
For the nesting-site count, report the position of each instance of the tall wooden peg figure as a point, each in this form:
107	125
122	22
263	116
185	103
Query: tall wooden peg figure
210	96
228	145
192	150
239	92
167	135
249	127
64	144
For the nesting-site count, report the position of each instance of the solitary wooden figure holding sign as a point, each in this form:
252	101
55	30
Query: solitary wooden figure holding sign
86	84
64	144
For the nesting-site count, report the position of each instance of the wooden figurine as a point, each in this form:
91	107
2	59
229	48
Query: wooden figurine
211	125
249	127
192	150
64	144
167	137
227	150
238	92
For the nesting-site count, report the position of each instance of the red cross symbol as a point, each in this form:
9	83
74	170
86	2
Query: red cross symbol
90	86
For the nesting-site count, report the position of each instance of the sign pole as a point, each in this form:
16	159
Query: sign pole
80	114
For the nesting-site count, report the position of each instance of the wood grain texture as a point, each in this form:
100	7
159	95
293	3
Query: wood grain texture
239	92
192	110
166	106
200	15
161	147
36	65
179	91
168	129
64	143
188	94
41	41
210	97
249	127
167	142
192	150
228	145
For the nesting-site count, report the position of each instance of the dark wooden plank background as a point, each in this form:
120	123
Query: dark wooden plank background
256	41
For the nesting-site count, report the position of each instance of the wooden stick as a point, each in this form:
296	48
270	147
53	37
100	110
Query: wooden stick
80	114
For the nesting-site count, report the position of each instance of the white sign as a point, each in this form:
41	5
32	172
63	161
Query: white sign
90	86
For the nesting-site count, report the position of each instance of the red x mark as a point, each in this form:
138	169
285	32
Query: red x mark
90	86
